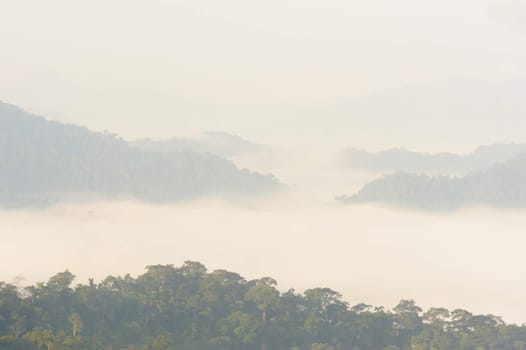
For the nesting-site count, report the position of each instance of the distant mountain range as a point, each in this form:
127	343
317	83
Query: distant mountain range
449	111
43	161
401	160
219	143
458	109
501	185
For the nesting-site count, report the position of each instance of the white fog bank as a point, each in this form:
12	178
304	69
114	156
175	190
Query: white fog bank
470	259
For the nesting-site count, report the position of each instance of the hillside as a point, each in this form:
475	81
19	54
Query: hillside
45	161
219	143
501	185
401	160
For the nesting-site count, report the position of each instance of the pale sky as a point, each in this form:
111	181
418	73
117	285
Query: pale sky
241	52
164	68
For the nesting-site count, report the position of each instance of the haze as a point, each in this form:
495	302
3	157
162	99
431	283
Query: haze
161	68
305	79
471	259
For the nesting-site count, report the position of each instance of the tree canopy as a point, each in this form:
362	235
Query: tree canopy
188	307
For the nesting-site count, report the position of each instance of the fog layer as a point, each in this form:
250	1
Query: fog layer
470	259
308	77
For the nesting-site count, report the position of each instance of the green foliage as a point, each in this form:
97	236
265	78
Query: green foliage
188	308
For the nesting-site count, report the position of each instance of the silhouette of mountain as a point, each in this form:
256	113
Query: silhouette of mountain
401	160
501	185
44	161
219	143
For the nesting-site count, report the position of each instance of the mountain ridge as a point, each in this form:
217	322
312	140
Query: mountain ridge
46	161
402	160
501	185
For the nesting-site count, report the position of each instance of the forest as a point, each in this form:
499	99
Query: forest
189	307
442	163
44	162
501	185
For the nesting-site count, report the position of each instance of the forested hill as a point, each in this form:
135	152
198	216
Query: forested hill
219	143
399	160
502	185
189	308
44	161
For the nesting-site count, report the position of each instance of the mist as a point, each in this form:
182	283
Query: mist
251	70
268	139
301	236
370	253
470	259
